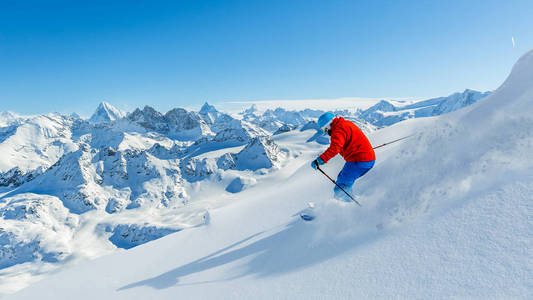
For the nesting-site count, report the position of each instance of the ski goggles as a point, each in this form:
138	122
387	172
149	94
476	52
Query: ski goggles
326	128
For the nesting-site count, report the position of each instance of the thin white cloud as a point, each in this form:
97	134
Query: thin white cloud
350	103
512	40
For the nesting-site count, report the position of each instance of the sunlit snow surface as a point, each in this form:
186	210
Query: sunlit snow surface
446	213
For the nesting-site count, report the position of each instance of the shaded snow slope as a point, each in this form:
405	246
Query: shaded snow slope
446	213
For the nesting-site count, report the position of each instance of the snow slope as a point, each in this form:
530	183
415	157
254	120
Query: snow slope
445	214
37	142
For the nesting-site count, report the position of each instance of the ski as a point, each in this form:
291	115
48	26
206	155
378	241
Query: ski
307	217
308	213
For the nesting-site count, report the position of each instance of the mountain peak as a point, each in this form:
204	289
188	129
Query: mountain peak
253	109
207	108
106	113
104	105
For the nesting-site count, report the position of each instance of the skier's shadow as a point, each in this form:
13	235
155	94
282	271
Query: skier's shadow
290	249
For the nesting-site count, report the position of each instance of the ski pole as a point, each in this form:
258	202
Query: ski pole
393	141
318	168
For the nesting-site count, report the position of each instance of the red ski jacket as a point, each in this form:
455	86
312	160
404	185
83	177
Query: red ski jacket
348	140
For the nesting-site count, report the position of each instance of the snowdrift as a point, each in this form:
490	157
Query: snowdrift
446	213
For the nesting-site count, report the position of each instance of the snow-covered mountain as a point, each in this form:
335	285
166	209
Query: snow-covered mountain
386	113
178	123
274	119
30	146
437	221
73	189
258	154
8	118
116	169
106	113
217	120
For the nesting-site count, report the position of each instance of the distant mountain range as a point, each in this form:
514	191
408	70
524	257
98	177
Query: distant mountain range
386	113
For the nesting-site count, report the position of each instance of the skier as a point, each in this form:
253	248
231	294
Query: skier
348	140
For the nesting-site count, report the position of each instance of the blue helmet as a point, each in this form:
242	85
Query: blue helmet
325	119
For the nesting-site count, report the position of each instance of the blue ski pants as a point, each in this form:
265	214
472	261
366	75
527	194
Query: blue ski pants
349	173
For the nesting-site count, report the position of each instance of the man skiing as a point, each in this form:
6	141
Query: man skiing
348	140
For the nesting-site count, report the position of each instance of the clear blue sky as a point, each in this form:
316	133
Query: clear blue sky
68	56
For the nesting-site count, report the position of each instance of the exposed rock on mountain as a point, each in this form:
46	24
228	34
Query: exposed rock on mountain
150	119
195	169
226	162
177	123
259	153
185	125
16	177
